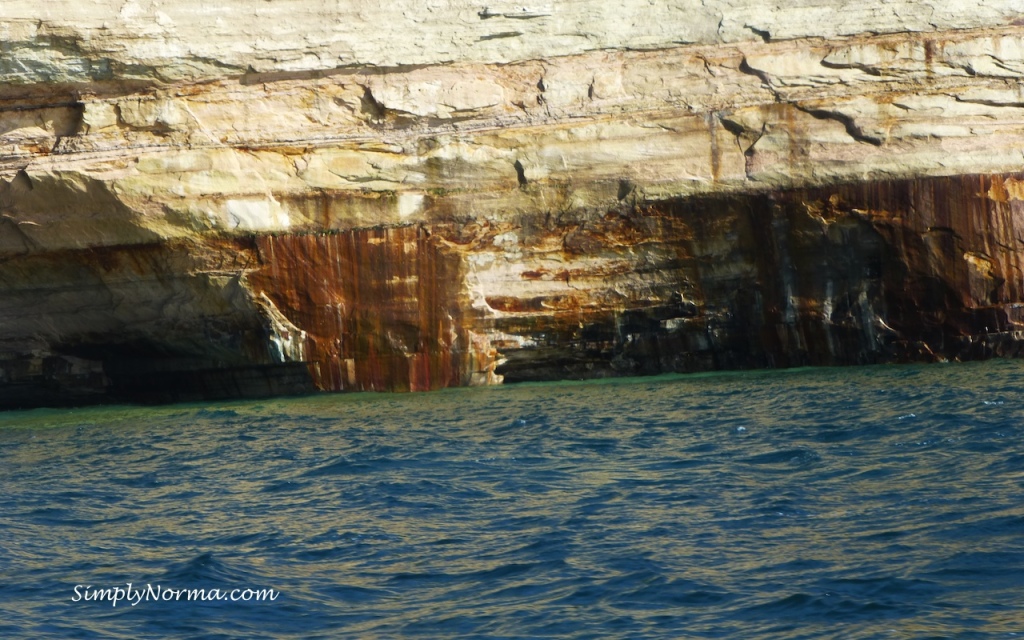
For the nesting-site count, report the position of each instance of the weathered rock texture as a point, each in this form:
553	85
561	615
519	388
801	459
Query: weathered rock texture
225	199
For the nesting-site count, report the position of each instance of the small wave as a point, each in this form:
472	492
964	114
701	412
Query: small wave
886	588
326	553
353	594
208	568
406	578
788	458
141	481
341	466
827	606
657	594
216	414
69	518
247	539
284	486
831	433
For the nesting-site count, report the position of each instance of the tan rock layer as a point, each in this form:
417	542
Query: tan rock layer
365	147
62	41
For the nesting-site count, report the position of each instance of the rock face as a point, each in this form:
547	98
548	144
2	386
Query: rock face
227	199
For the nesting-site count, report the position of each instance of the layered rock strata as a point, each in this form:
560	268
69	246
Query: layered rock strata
198	203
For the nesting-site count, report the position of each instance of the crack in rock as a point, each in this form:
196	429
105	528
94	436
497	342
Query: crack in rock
852	128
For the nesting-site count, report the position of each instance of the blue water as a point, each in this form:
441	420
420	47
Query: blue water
882	502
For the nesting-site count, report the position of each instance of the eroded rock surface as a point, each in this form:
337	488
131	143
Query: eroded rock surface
235	199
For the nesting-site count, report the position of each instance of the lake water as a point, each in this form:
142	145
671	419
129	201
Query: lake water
880	502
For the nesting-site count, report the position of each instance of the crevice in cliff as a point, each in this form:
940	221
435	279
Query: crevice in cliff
736	129
380	116
522	14
626	188
852	129
501	35
36	106
999	62
866	68
520	174
22	180
764	34
30	244
744	135
1012	104
763	76
371	107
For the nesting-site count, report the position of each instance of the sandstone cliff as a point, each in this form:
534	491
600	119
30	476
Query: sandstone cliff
240	198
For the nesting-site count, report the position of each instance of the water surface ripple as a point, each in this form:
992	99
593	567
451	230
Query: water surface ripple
881	502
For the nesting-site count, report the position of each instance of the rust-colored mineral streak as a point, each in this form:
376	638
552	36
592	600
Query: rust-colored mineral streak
382	309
